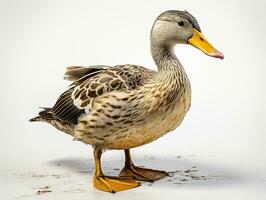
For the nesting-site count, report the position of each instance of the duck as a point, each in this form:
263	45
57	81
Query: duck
126	106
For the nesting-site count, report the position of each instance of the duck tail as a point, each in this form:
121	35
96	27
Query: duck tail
43	116
46	116
35	119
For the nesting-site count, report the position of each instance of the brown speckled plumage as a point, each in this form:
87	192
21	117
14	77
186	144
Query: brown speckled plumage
127	106
124	106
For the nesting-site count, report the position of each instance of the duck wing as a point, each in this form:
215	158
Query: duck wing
91	82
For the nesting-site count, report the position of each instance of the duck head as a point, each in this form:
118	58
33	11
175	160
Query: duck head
173	27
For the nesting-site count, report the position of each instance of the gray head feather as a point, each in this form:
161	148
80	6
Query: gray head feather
170	15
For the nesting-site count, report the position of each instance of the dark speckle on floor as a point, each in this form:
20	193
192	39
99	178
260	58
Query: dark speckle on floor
43	190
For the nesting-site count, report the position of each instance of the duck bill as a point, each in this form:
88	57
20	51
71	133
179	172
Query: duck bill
199	41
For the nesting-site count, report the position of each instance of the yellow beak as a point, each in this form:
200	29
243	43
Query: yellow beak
200	42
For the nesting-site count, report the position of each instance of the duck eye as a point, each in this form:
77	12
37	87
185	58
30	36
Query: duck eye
181	23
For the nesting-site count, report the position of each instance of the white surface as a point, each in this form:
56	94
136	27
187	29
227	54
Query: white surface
223	135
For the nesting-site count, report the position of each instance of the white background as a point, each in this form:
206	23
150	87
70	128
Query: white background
223	134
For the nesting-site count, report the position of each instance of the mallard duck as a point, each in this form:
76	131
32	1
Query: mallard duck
127	106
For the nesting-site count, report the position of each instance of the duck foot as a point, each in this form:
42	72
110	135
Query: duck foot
114	184
142	174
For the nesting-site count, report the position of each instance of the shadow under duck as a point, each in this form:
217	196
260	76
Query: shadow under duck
127	106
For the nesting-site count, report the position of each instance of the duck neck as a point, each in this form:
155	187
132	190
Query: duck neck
169	67
171	83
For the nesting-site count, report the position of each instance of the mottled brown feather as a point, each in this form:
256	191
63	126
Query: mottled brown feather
90	82
118	78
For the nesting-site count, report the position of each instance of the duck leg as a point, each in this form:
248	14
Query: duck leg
110	183
140	173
